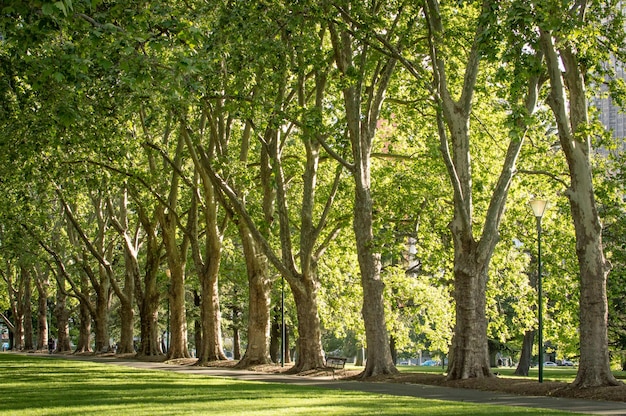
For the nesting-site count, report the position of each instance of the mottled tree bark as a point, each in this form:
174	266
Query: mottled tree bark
259	285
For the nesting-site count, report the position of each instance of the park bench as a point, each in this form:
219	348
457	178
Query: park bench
335	363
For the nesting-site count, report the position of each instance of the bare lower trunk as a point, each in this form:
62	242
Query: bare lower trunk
197	325
149	317
43	285
259	286
275	335
127	300
84	329
523	366
469	353
62	317
148	299
210	318
309	334
127	326
594	368
178	316
42	321
257	351
101	323
287	343
360	356
379	359
18	333
236	344
29	342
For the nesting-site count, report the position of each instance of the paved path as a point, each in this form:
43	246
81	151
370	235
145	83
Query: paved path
397	389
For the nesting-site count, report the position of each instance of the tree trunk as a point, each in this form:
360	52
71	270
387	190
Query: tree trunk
523	367
393	349
62	315
235	326
236	343
360	356
118	216
149	319
147	291
197	324
101	317
29	343
178	317
84	329
18	332
569	106
379	359
210	316
259	285
84	316
287	343
363	101
127	298
147	294
309	333
127	328
469	353
43	283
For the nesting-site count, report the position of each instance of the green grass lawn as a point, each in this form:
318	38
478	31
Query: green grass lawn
41	385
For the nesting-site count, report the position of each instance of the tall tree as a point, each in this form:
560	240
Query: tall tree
469	351
366	74
567	68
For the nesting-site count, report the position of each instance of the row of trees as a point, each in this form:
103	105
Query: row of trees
154	149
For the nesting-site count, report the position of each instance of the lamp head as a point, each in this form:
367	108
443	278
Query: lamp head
539	207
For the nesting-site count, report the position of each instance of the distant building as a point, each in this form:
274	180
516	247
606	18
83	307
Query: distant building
612	116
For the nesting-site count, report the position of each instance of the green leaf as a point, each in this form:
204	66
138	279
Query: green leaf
47	9
61	6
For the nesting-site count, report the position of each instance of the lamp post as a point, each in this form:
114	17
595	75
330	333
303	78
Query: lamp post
539	207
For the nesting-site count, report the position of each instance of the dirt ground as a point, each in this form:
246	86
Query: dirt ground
500	384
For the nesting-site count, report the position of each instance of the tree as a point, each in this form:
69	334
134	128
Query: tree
568	101
469	351
365	75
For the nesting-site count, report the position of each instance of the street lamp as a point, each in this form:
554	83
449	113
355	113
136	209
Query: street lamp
539	207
